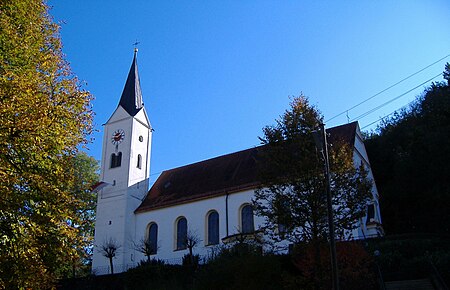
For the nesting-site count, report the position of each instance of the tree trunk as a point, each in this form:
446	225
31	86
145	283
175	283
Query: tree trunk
317	265
191	256
111	265
73	270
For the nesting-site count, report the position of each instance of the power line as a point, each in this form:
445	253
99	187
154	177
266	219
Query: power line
376	108
391	100
368	99
391	113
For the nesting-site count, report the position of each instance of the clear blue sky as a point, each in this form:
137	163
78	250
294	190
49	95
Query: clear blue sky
213	73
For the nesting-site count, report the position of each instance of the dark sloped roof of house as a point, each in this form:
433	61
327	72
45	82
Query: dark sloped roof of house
217	176
344	133
131	99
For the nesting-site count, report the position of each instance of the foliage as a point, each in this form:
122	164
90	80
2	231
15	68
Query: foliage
44	116
156	275
238	269
86	175
410	157
152	262
191	260
355	267
409	256
292	192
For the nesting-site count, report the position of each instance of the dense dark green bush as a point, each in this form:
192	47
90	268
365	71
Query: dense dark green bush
412	256
191	261
355	267
157	275
236	269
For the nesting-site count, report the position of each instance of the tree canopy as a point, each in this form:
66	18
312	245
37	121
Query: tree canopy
292	192
44	117
410	157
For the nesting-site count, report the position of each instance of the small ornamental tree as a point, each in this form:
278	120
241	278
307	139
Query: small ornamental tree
191	241
109	250
146	247
291	196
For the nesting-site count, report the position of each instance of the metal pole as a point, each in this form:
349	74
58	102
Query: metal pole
334	266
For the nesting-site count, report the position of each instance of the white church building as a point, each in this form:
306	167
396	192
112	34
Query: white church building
211	199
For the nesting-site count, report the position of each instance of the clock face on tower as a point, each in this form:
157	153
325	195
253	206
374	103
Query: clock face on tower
118	136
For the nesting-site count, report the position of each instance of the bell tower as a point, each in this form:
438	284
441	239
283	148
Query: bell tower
125	171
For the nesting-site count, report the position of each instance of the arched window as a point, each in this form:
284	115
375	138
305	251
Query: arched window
116	160
153	238
247	224
119	159
370	213
213	228
181	233
139	161
113	160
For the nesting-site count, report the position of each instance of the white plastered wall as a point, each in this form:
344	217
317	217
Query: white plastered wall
127	185
360	156
195	214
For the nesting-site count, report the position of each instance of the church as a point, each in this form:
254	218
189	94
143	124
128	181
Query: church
211	199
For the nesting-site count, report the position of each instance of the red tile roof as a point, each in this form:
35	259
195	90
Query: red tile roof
217	176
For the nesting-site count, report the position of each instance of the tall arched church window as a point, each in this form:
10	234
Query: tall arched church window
247	223
370	213
139	161
213	228
116	160
181	233
153	238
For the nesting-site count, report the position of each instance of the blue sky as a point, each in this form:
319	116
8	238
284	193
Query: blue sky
214	73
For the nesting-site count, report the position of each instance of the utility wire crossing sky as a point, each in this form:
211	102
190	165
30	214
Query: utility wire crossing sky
214	74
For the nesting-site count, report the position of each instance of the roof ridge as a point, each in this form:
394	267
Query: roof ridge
214	176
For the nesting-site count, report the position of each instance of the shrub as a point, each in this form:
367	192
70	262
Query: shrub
354	263
157	275
240	267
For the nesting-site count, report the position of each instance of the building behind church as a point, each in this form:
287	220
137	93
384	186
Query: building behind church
211	199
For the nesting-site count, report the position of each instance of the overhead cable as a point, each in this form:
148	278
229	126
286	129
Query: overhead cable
391	100
397	83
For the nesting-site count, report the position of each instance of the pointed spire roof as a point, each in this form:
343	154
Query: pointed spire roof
131	99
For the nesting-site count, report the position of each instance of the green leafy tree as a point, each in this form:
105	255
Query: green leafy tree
44	116
86	173
410	158
292	192
292	197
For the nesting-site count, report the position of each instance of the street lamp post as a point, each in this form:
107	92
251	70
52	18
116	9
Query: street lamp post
321	144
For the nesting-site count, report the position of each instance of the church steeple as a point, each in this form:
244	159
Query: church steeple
125	170
131	99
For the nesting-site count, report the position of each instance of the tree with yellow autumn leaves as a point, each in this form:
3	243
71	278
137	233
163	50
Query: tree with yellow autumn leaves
44	117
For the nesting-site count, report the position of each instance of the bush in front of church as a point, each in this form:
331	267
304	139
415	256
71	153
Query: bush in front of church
156	274
355	267
236	268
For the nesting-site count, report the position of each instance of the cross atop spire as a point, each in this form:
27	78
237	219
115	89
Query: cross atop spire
135	46
131	99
